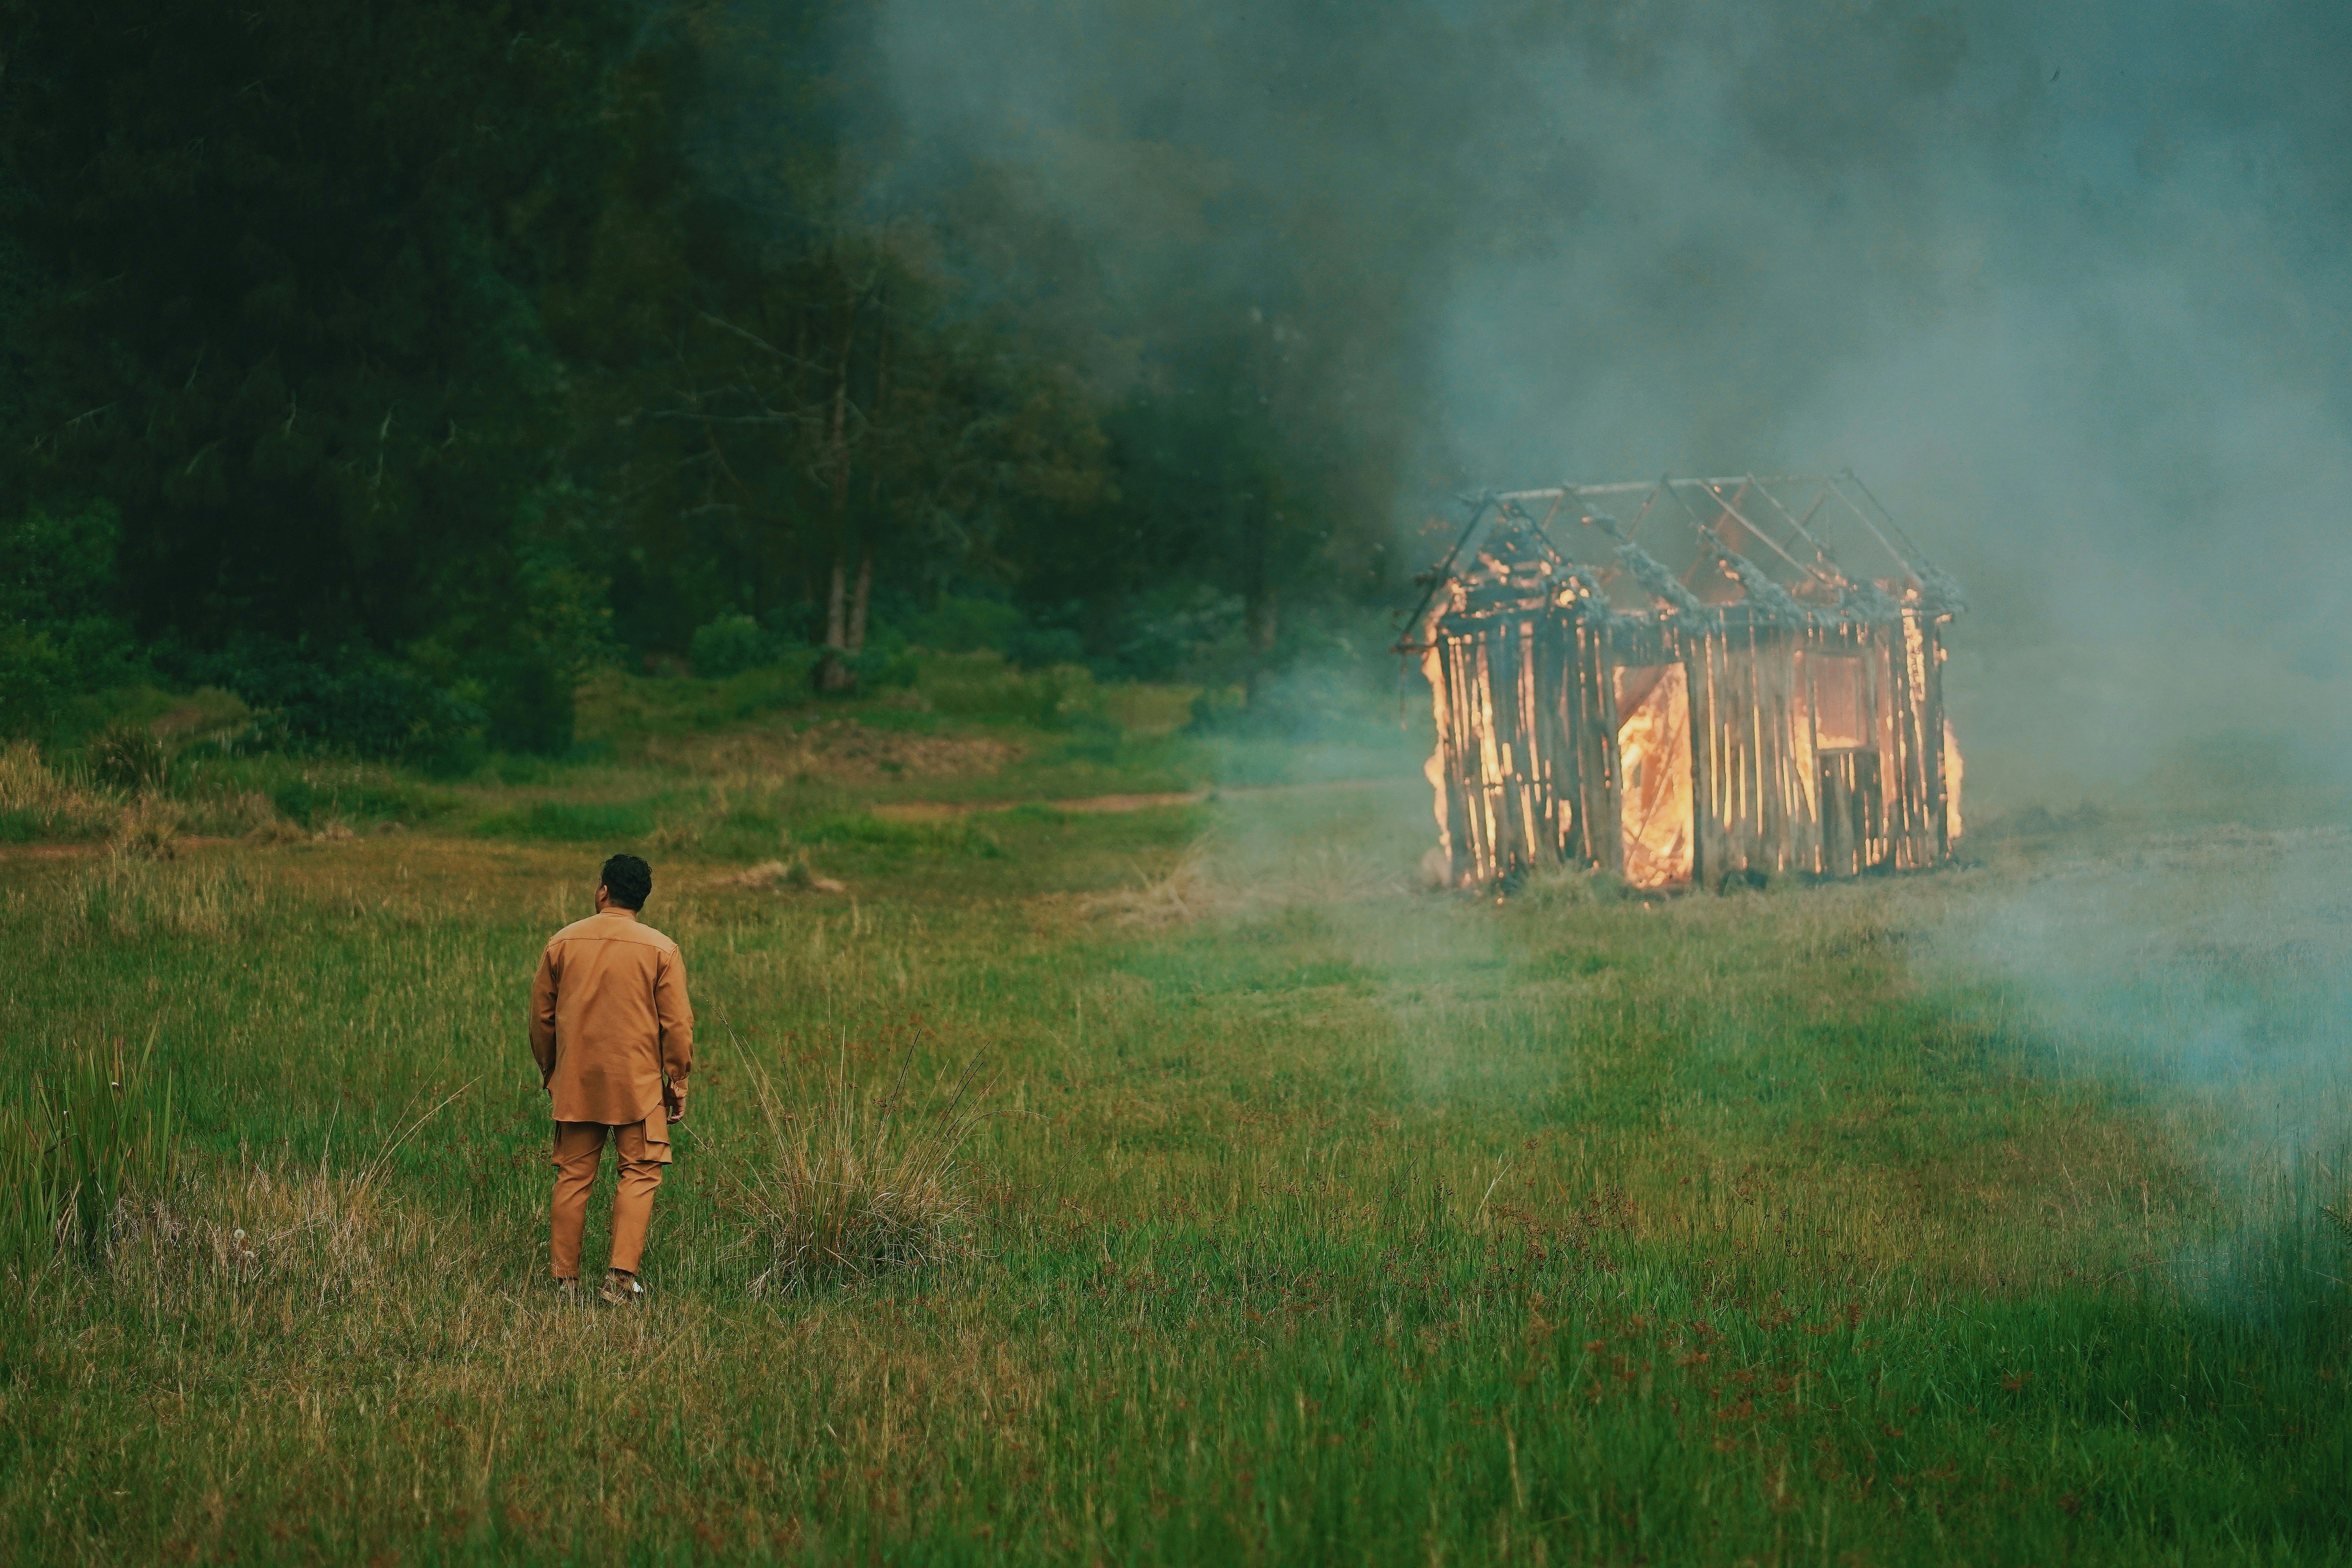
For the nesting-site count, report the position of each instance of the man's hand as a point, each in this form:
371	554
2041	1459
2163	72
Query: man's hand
677	1113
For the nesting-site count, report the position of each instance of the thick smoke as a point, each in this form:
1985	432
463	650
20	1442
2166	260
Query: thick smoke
2068	286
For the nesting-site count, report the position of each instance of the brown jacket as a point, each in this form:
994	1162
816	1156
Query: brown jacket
610	1023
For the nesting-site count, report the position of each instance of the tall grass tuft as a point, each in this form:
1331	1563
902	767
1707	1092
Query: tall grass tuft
861	1185
36	802
130	757
75	1148
150	829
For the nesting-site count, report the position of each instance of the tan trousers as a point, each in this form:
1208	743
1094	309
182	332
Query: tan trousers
579	1151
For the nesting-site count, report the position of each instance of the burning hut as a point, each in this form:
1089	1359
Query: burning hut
1739	703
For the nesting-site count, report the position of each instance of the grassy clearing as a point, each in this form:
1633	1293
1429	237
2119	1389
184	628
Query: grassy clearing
1953	1218
746	770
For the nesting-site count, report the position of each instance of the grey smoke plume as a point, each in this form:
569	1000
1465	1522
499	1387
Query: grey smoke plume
2068	285
2201	976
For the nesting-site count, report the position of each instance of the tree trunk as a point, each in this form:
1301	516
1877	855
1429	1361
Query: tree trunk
833	671
834	632
865	591
874	464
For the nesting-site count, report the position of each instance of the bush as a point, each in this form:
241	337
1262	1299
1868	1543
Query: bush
1193	633
352	700
958	624
527	705
729	645
58	638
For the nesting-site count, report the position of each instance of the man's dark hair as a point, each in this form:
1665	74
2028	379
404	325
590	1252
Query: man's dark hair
629	881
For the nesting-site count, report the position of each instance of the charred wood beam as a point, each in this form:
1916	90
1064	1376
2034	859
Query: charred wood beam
1444	573
1941	589
1772	545
1648	571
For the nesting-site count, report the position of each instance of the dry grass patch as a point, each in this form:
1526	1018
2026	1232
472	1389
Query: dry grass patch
151	829
1225	881
839	750
782	876
47	805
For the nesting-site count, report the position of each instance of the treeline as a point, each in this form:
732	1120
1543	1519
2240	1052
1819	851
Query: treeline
393	363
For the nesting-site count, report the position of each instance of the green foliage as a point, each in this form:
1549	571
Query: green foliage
959	624
984	685
351	793
492	346
958	836
568	822
350	701
729	645
57	570
58	637
621	713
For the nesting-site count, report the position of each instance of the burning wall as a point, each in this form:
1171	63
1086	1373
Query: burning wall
1693	725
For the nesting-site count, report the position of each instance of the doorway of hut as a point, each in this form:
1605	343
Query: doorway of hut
1653	751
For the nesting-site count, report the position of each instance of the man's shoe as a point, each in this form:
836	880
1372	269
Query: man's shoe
620	1288
568	1291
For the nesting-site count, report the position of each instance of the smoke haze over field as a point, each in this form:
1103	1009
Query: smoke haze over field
2068	286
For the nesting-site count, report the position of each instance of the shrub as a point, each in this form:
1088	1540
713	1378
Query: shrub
351	700
957	624
57	636
729	645
527	706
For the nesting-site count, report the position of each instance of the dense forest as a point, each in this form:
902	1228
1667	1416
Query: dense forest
393	363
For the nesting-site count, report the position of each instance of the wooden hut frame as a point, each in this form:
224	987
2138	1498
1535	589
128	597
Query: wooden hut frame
1779	714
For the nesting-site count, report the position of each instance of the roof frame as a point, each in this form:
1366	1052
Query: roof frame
1725	496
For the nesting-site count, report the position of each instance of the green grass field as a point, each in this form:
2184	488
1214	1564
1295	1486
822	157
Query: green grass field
1967	1217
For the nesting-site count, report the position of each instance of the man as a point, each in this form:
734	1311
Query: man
615	1040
